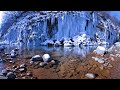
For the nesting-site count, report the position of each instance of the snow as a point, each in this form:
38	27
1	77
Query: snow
80	26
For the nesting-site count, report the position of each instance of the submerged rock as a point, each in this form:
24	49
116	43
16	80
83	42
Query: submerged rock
11	75
42	64
99	60
23	69
91	75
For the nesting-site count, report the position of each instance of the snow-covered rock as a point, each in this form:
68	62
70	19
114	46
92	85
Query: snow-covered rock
46	57
100	50
67	43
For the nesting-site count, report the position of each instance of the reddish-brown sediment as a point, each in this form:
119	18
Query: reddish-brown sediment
70	68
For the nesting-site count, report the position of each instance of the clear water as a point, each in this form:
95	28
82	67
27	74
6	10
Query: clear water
73	52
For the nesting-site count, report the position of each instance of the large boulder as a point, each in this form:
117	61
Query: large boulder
100	50
46	58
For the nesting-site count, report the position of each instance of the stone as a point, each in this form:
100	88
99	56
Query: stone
46	58
16	49
101	67
3	77
42	64
29	74
22	65
4	72
23	70
53	62
117	55
106	64
100	50
14	66
91	75
11	75
23	77
31	62
11	61
36	58
99	60
109	65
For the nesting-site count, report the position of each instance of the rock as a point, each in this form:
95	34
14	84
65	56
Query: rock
36	58
106	64
42	64
101	67
11	61
16	49
53	62
23	77
7	54
23	70
109	65
91	75
13	56
29	74
4	72
100	50
11	75
22	65
3	77
14	66
31	62
99	60
117	55
46	57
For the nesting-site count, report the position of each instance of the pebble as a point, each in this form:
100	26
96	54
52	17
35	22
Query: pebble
14	66
11	75
22	65
29	74
102	67
53	62
31	62
109	65
106	64
23	77
90	75
22	70
42	64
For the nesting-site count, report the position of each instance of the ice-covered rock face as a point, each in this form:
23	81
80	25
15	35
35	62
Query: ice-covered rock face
36	28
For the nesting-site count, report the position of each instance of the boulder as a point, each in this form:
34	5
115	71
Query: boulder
46	58
11	75
100	50
36	58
